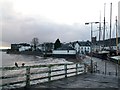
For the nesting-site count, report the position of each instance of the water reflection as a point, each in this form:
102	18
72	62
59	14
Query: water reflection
10	59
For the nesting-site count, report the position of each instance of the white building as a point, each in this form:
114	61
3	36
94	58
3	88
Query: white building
77	47
82	47
64	51
24	48
41	47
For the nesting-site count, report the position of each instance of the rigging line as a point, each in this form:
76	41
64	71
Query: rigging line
113	31
106	29
107	33
98	35
110	23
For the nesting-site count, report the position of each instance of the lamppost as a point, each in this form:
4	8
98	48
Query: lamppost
91	41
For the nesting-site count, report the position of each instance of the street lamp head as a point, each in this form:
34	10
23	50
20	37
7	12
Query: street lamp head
91	23
86	23
96	22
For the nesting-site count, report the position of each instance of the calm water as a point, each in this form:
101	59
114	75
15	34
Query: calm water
10	59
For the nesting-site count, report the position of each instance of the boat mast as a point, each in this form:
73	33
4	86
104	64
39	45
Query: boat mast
104	28
110	24
99	30
116	37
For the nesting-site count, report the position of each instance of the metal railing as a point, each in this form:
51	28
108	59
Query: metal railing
50	71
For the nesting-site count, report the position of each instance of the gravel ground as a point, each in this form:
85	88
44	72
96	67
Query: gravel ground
95	80
82	81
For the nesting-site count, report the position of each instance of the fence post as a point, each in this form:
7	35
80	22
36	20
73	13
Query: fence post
85	68
49	73
76	69
27	76
65	70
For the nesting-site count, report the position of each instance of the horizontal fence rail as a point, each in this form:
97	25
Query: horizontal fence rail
28	74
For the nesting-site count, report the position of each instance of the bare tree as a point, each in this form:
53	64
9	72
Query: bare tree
35	43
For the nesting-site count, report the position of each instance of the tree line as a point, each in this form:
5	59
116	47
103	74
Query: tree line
35	43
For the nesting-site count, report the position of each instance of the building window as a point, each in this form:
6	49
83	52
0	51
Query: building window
88	48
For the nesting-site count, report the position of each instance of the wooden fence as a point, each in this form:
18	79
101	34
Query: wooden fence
48	70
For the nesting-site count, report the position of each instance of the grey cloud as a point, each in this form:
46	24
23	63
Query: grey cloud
23	31
16	29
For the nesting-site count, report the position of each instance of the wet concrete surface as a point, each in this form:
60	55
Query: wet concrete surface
82	81
95	80
103	66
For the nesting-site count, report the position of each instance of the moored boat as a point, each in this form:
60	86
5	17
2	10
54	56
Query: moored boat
115	59
101	54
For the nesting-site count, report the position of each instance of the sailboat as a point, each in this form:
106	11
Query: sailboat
102	54
116	58
109	54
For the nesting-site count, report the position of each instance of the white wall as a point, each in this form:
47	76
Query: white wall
64	52
23	48
40	47
82	49
77	47
119	46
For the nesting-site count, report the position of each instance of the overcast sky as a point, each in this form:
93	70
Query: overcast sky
22	20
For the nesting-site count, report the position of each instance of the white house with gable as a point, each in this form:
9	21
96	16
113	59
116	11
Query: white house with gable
24	47
82	47
64	51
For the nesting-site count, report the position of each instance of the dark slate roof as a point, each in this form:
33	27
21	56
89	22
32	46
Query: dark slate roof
84	43
24	44
81	43
65	47
107	42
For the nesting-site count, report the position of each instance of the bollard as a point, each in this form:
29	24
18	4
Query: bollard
96	67
105	67
109	73
98	71
116	69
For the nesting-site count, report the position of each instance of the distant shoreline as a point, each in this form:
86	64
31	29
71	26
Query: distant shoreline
3	50
37	53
